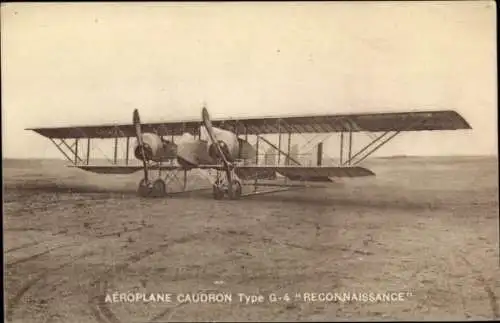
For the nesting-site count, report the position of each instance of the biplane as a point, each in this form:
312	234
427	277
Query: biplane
225	149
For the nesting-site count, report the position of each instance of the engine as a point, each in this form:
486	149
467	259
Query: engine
155	148
228	142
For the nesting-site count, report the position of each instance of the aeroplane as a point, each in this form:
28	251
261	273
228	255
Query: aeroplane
233	158
221	152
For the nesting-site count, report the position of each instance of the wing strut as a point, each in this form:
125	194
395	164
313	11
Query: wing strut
383	139
74	151
279	150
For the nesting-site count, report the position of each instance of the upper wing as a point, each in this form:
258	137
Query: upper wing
371	122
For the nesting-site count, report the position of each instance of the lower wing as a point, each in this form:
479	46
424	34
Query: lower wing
119	169
304	173
125	169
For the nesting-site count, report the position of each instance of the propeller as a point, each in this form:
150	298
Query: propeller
227	165
140	142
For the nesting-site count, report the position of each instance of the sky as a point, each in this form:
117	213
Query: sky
91	63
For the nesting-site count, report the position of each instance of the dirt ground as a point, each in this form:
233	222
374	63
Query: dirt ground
423	227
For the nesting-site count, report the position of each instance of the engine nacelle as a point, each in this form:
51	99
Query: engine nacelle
229	144
155	148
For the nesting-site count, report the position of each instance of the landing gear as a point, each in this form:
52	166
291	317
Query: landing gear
218	193
236	193
156	189
144	189
159	188
220	188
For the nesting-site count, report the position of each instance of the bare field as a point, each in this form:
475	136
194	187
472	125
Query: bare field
427	227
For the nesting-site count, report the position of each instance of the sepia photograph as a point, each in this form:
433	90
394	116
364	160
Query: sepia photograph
250	161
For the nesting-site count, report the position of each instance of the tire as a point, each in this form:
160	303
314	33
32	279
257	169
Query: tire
217	193
143	190
236	194
159	188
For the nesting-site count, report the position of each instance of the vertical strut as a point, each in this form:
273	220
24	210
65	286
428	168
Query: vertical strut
288	149
279	142
319	157
127	151
88	150
350	145
341	147
288	153
257	151
116	151
236	128
245	161
76	151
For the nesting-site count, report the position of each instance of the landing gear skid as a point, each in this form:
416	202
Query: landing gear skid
158	188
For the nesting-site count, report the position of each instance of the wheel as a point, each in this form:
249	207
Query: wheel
217	192
159	188
236	194
143	190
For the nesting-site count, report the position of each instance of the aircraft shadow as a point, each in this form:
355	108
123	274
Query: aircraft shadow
206	194
330	201
65	188
334	201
